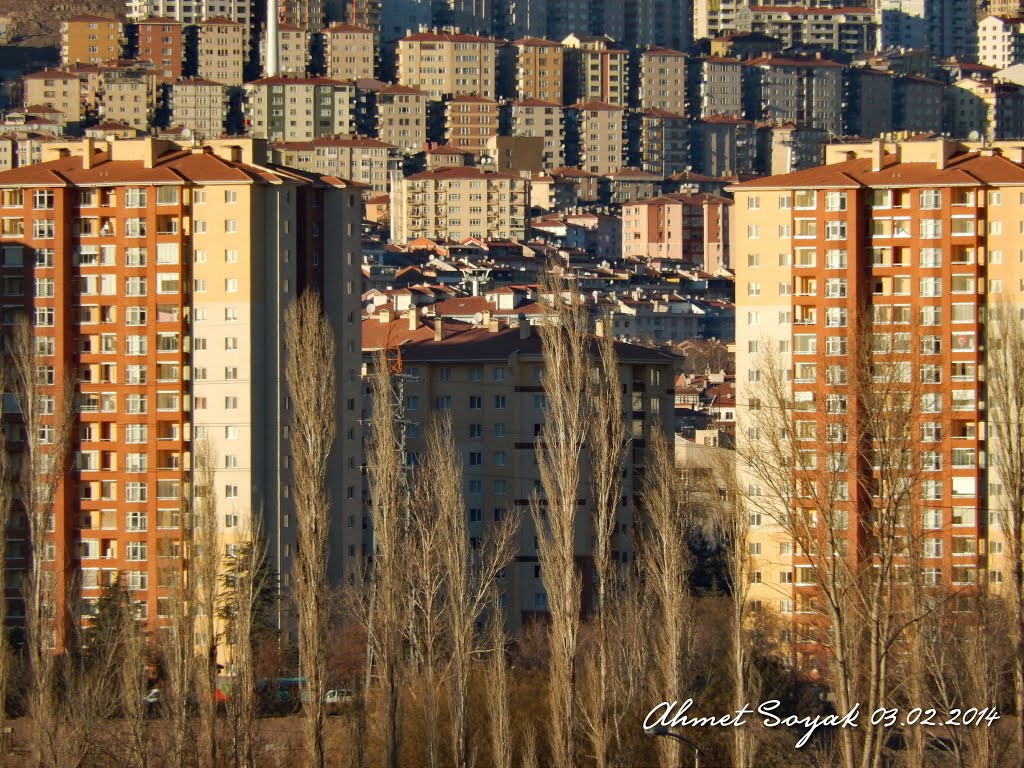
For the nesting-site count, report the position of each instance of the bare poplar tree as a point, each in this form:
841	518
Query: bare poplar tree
246	582
389	509
566	344
205	571
1005	389
468	572
310	373
607	448
869	424
47	411
177	645
7	482
497	676
668	511
132	677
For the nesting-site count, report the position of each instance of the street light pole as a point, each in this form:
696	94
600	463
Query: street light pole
663	730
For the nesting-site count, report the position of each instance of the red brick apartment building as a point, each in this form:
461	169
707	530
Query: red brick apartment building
156	277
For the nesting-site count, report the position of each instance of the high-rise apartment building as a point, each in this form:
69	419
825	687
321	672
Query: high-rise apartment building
307	15
846	29
160	42
663	80
664	142
533	117
126	96
893	252
457	203
1000	41
366	161
222	50
402	117
469	122
199	106
292	49
594	136
539	69
90	39
158	276
799	90
448	64
349	52
196	11
692	229
596	70
943	27
299	108
56	89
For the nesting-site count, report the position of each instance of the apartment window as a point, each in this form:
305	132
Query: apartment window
231	285
835	201
804	199
231	343
931	547
231	403
230	491
135	521
42	200
753	231
835	288
835	258
43	229
231	433
931	257
230	226
135	492
230	196
753	289
135	286
135	551
835	230
930	316
930	228
930	287
753	203
931	490
930	199
835	317
806	228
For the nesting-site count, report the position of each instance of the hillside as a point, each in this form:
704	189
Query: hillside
38	24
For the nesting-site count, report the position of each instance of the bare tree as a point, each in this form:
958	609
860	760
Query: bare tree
247	582
133	677
47	410
1005	390
870	456
205	571
468	573
7	482
607	448
309	370
389	510
497	677
566	344
668	511
177	644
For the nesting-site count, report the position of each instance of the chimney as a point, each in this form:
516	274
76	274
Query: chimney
413	319
438	329
877	153
86	153
493	325
524	328
485	318
272	65
599	328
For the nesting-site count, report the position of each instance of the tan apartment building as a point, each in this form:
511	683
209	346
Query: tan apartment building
469	121
910	242
127	96
993	108
691	229
160	275
539	72
56	89
448	64
596	71
299	108
359	159
198	105
546	119
308	15
663	80
349	52
664	142
90	39
402	117
160	42
457	203
222	50
487	379
594	136
292	50
721	87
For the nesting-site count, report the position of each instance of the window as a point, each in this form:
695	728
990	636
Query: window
230	226
930	228
835	201
230	491
835	230
135	551
43	229
231	285
835	258
42	200
930	199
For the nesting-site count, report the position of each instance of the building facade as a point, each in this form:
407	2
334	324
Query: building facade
402	117
199	105
663	80
539	70
292	50
90	39
162	286
470	121
349	52
448	64
533	117
160	42
365	161
299	108
594	137
222	50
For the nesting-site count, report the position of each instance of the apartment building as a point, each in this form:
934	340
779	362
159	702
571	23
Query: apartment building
849	30
457	203
222	50
913	240
870	97
469	122
596	70
546	119
713	18
448	64
800	90
691	229
349	52
489	381
663	80
402	117
358	159
292	50
160	42
127	96
158	276
918	104
721	87
307	15
594	137
196	11
944	27
723	146
56	89
992	108
664	142
90	39
1000	41
199	106
299	108
539	69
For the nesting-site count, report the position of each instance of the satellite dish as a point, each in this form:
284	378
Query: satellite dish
974	136
186	133
478	318
371	309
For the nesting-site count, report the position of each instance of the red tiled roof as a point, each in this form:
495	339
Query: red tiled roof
333	141
338	28
446	37
656	51
786	61
536	103
452	174
537	42
595	106
397	88
659	112
220	21
91	17
282	80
